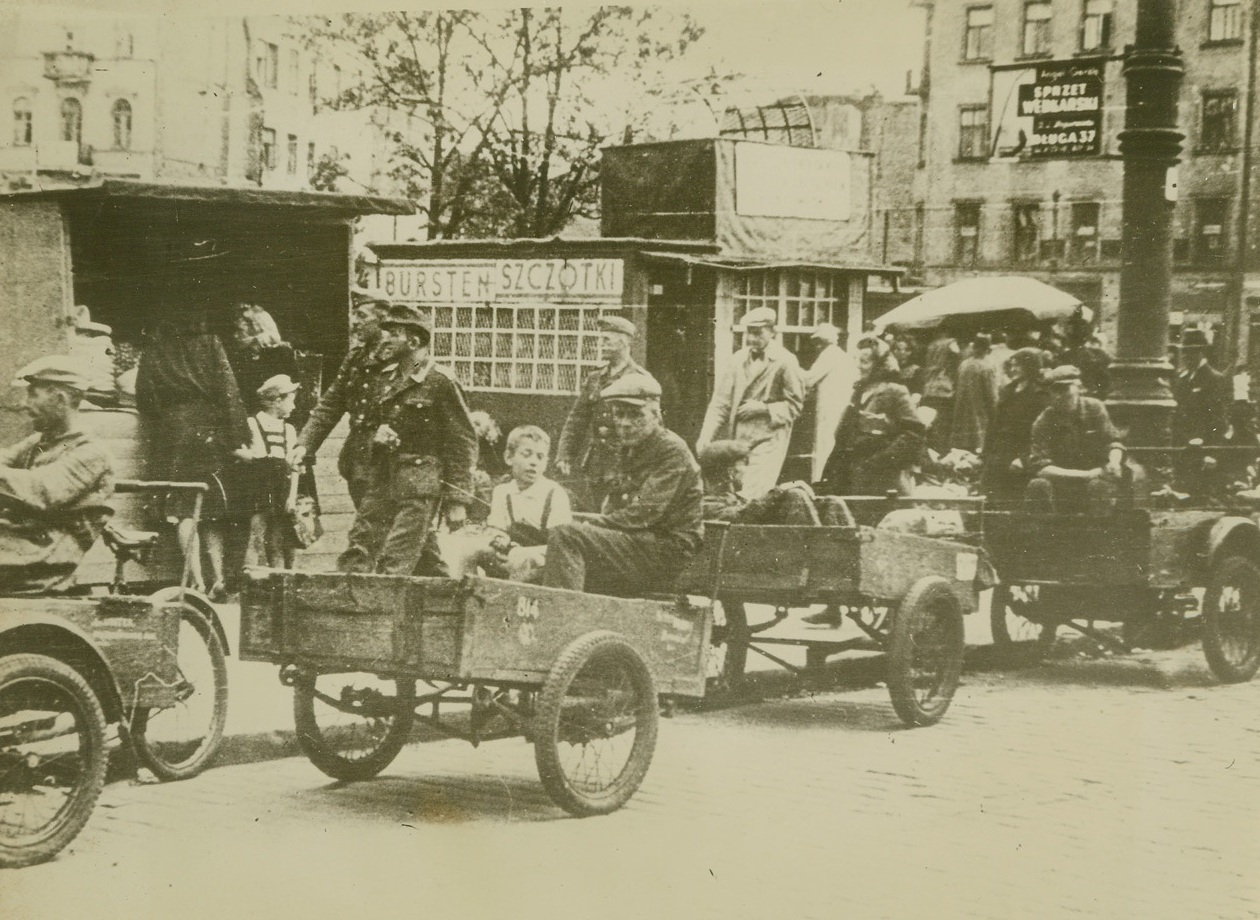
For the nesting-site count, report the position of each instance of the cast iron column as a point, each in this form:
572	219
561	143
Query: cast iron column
1141	400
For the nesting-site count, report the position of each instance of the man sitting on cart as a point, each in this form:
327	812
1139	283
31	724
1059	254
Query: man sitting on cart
54	484
722	465
1076	458
651	524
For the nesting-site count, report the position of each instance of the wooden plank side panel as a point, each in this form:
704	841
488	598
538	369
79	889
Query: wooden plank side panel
892	562
1071	549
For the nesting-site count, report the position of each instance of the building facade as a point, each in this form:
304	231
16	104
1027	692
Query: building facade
1019	168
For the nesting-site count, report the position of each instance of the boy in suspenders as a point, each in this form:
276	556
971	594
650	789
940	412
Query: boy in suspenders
524	508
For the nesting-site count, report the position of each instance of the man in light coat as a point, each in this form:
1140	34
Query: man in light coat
830	378
757	399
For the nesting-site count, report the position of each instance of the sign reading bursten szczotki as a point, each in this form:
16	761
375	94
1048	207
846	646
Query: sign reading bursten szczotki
1065	105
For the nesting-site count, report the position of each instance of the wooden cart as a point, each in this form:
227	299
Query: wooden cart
576	674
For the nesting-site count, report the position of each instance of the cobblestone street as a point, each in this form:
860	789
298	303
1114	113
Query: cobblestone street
1104	788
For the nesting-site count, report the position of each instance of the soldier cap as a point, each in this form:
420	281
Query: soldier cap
401	314
635	389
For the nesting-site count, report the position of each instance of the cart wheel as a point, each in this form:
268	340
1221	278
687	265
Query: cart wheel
1009	607
352	726
52	757
177	742
595	725
731	652
926	652
1231	619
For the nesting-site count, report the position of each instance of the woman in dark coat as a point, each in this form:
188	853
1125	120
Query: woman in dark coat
1003	476
188	398
879	438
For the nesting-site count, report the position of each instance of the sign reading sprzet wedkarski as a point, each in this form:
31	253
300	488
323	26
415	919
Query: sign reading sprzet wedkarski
1064	101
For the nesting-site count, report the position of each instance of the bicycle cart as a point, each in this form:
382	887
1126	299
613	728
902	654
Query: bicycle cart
575	674
1138	567
71	665
906	593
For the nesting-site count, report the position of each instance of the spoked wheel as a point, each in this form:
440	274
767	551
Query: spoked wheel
730	649
1231	619
178	741
925	657
352	726
52	757
1010	608
595	725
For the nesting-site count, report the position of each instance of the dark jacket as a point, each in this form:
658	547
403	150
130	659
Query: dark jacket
1010	431
878	440
353	391
587	435
1078	439
1203	399
657	489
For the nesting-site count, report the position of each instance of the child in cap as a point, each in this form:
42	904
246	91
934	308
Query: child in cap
524	508
273	474
722	467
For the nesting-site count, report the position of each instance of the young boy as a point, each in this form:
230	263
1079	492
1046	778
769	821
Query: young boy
272	460
524	508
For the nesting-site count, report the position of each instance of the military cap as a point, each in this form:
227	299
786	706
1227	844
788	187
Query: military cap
718	456
363	297
617	324
62	369
401	314
279	385
635	389
762	316
1194	338
1064	373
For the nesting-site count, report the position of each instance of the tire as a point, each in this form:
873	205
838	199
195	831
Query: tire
58	775
352	746
1231	619
179	741
595	725
1011	628
925	657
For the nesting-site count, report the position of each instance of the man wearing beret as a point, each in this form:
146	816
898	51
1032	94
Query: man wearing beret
651	523
587	448
54	484
1075	457
756	400
423	450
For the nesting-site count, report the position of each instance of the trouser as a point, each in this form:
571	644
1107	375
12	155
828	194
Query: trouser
35	559
791	506
394	536
765	463
268	543
1071	496
601	560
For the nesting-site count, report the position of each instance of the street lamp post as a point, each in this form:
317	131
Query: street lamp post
1150	143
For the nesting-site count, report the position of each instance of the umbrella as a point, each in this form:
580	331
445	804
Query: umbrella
1013	296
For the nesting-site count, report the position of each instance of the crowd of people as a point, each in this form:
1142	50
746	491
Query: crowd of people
625	511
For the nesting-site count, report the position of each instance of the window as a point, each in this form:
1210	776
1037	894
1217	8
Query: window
1027	232
1083	242
802	299
312	87
23	127
1096	25
1224	20
1210	236
1037	28
71	120
124	44
292	155
295	71
967	232
978	40
1218	131
920	229
973	132
269	148
266	64
336	81
121	113
310	160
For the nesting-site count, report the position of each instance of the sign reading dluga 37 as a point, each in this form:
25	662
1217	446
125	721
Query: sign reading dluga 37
1052	110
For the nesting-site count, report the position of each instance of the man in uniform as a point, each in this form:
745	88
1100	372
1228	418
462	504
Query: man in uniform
423	450
756	400
651	524
54	484
353	391
587	448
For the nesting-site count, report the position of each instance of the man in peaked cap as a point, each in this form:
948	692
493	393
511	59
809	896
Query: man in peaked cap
1202	392
587	450
651	523
54	484
422	450
756	400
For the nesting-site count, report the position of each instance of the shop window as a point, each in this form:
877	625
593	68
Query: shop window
1083	241
1218	130
1096	25
1026	232
802	300
978	38
1211	231
967	232
72	120
517	348
23	126
1037	24
291	158
121	114
973	132
269	148
1224	20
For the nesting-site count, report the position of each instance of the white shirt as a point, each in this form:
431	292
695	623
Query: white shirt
528	504
284	433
